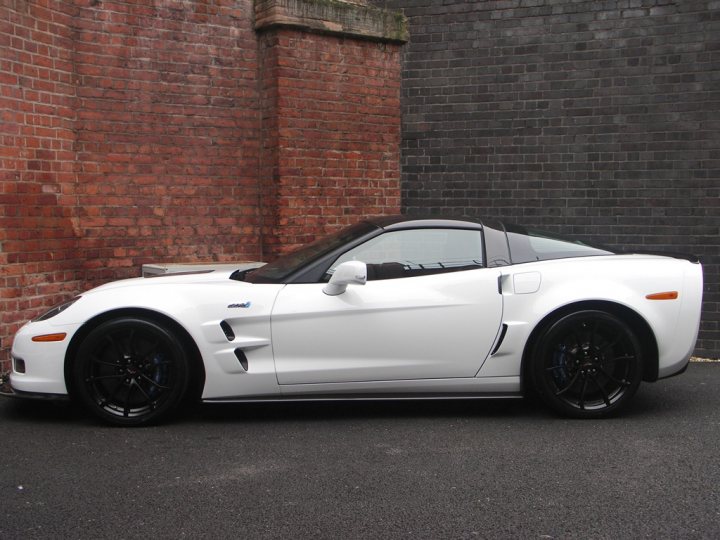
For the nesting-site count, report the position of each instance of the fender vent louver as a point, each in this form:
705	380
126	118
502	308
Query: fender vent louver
500	339
242	358
227	330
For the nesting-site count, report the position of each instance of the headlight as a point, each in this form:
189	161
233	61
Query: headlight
56	310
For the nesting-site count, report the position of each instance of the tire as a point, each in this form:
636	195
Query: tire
587	364
131	371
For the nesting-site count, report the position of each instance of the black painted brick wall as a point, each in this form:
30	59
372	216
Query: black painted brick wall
597	119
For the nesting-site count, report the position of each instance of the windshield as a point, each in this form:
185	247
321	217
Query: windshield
286	265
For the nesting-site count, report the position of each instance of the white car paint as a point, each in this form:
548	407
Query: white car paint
429	327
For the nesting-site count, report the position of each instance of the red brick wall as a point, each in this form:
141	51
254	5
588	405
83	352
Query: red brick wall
167	134
332	134
38	225
135	132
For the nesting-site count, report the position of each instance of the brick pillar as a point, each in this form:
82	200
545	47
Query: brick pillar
330	102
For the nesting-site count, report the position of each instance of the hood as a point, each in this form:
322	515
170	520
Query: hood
194	277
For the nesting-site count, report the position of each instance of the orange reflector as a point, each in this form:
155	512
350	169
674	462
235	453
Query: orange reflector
670	295
49	337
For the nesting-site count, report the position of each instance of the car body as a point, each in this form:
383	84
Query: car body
393	307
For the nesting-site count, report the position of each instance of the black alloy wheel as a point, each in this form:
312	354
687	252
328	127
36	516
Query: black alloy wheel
587	364
131	371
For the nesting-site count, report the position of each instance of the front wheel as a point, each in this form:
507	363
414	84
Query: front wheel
587	364
131	371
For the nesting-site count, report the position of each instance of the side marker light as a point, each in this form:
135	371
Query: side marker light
670	295
47	338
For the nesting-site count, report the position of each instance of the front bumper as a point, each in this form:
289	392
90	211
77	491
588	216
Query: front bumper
6	390
43	369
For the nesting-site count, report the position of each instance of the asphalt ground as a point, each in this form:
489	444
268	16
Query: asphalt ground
480	469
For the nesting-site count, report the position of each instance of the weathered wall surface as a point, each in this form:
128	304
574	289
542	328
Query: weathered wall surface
39	259
167	134
178	131
597	119
333	134
130	134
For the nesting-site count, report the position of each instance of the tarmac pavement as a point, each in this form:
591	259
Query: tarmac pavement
467	469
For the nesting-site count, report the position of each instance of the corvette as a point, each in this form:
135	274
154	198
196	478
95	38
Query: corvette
389	308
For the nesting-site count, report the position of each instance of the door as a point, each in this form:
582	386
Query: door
436	317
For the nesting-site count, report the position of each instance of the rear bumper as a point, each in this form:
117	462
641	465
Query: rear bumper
675	373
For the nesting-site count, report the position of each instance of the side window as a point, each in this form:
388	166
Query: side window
529	245
417	252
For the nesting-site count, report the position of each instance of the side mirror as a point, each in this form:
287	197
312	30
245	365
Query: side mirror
348	272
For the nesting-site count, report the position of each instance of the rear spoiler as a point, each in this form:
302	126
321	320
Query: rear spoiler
686	256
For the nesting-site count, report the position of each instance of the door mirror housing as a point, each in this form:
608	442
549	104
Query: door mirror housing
350	272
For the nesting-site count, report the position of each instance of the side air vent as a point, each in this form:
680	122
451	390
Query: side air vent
227	330
242	358
500	339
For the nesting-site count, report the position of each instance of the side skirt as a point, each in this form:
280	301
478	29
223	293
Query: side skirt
365	397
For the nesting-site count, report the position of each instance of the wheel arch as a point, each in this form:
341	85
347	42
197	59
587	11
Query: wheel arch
197	378
633	319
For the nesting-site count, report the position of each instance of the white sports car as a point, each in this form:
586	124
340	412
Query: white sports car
390	308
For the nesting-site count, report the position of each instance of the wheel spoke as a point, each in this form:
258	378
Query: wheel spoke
577	335
612	343
106	400
551	368
593	334
114	345
103	377
126	409
618	358
613	379
96	360
605	397
147	397
581	401
151	381
130	343
569	385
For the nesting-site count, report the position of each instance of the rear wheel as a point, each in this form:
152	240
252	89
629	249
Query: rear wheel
131	371
587	364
